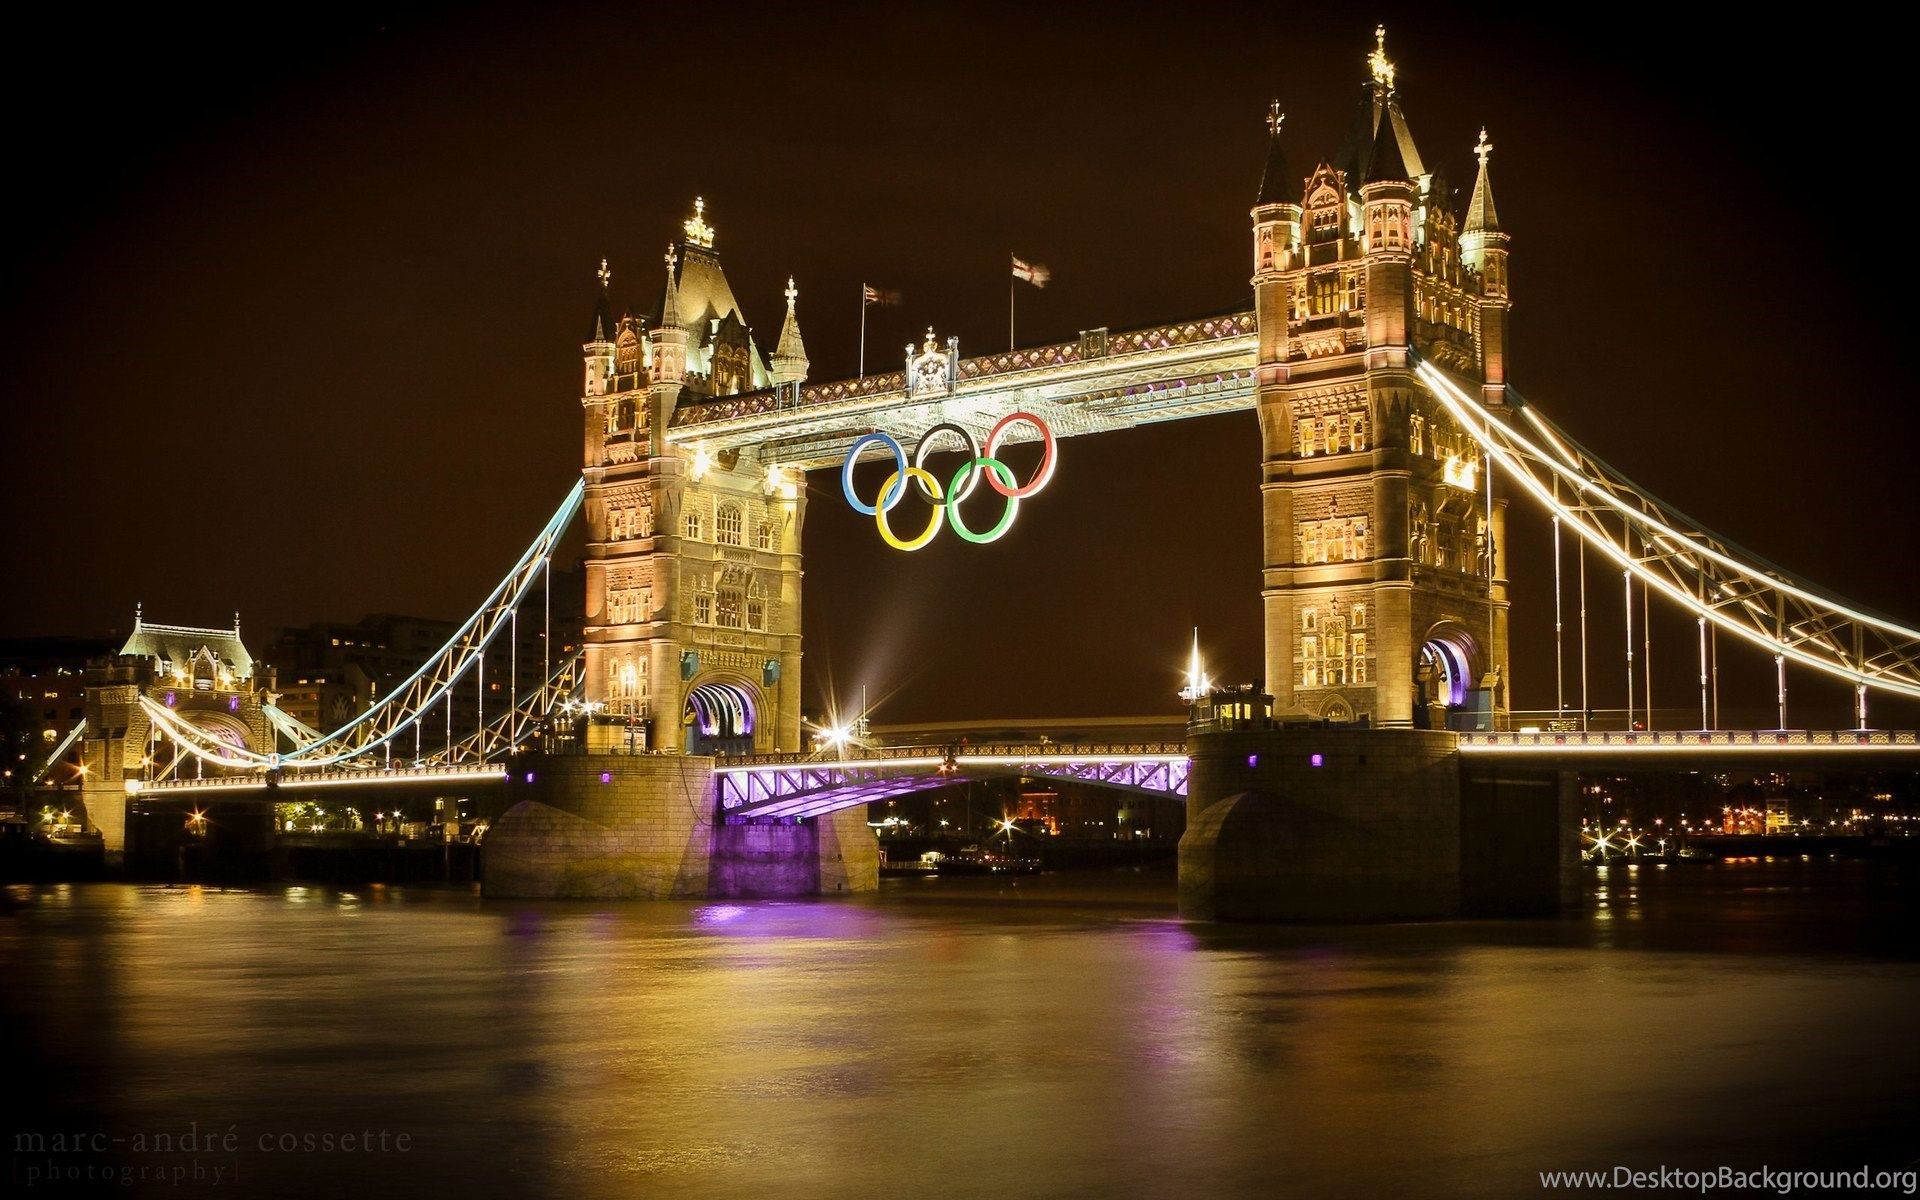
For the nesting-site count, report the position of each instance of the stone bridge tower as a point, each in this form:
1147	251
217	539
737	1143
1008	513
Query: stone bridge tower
693	559
1384	568
205	677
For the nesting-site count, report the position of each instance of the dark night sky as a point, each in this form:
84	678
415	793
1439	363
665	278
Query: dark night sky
294	305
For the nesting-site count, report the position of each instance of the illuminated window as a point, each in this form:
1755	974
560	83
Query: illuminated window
703	608
1359	653
1417	433
1309	661
1356	292
1326	294
1357	430
642	522
756	607
727	526
690	526
763	537
1309	619
1304	439
728	609
1310	549
1359	616
1330	434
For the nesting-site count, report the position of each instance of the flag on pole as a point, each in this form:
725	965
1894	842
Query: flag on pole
1032	273
873	295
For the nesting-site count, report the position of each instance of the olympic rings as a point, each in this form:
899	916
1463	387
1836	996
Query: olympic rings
973	452
846	468
995	470
893	489
1041	476
999	475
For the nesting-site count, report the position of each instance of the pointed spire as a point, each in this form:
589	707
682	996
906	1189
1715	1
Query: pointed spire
1385	162
1278	184
790	356
670	304
138	608
603	326
1481	217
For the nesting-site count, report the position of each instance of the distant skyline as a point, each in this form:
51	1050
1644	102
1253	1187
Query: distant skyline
296	327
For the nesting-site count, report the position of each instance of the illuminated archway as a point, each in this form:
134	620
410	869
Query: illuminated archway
1445	669
719	719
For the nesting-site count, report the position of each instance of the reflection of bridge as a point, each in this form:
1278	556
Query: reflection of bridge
1374	351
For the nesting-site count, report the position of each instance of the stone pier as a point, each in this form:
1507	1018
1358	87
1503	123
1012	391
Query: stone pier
615	826
1346	824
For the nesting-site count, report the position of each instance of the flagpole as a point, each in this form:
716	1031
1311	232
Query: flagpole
1011	280
863	331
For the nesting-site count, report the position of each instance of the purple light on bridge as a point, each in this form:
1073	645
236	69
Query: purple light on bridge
1317	760
1253	760
529	776
606	777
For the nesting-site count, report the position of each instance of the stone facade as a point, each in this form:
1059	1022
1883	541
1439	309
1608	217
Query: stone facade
609	826
205	677
693	559
1338	825
1384	584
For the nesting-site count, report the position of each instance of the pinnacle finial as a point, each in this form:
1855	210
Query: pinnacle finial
698	232
792	293
1483	147
671	258
605	275
1378	62
1275	118
138	607
933	343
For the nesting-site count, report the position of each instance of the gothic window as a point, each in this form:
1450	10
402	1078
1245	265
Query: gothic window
690	526
1266	249
1356	292
763	536
1359	540
1309	619
1357	430
728	608
703	608
1310	550
1300	300
1310	661
727	525
643	521
626	684
1305	445
1332	434
1326	294
1417	433
756	606
1359	655
1359	619
616	524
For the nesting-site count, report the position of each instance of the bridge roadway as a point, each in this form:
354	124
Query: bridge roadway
806	785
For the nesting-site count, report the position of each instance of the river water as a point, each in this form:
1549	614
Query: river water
1050	1036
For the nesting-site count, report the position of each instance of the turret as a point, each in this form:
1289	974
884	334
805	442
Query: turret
1483	248
598	348
1386	206
670	336
790	356
1276	240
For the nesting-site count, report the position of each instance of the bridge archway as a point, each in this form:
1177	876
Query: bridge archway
1446	669
720	716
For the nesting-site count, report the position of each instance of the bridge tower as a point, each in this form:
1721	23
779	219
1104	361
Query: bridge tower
206	677
693	559
1384	578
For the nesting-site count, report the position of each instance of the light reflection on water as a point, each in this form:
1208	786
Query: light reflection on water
977	1037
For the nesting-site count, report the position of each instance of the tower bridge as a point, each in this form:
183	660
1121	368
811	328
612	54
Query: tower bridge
669	758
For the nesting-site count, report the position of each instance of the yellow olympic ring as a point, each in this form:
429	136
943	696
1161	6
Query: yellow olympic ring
899	479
